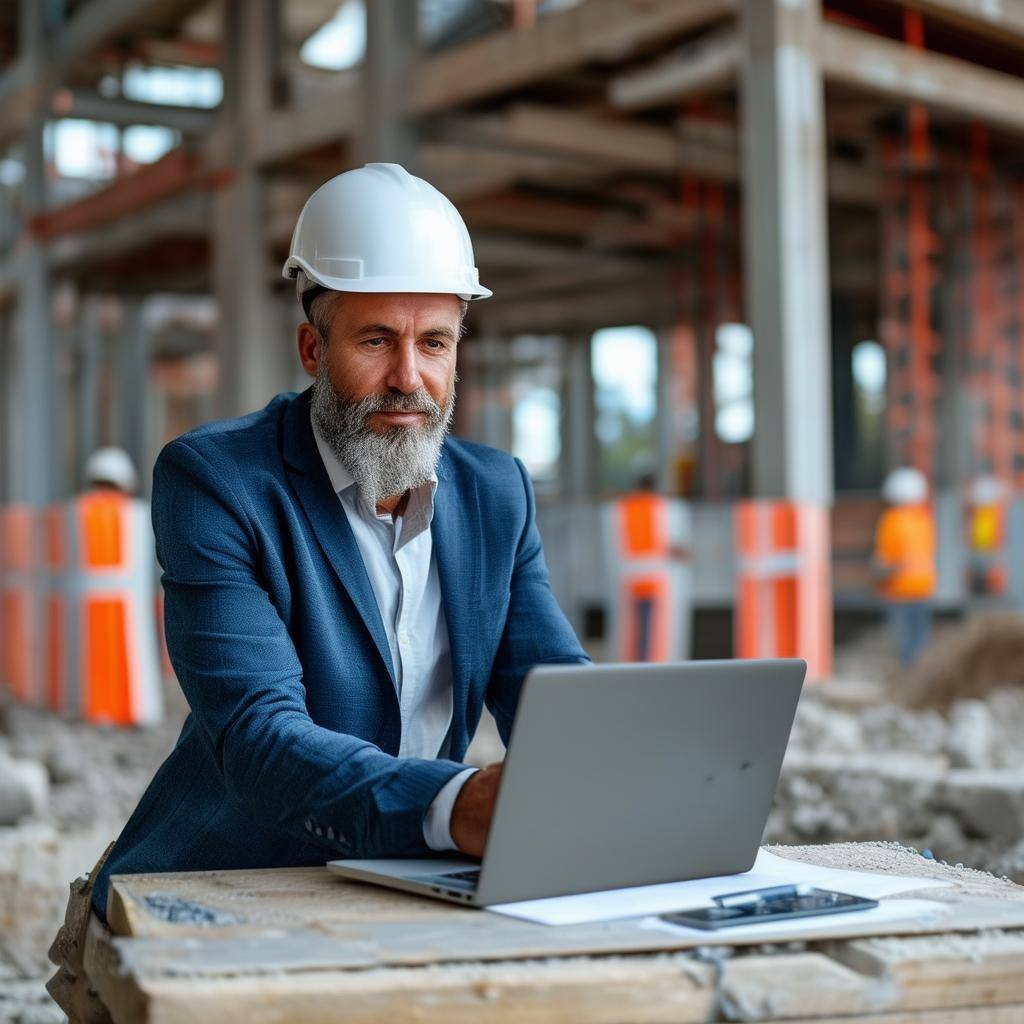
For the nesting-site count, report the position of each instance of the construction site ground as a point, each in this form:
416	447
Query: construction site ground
932	760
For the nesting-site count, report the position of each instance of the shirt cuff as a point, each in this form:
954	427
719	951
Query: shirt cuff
437	821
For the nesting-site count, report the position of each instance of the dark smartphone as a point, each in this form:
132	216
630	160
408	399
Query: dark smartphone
804	903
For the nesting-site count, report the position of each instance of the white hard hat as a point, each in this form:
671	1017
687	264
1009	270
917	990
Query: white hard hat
905	486
987	490
112	466
379	229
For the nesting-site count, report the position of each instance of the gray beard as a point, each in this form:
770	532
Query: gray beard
387	464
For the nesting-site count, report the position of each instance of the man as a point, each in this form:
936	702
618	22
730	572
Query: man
345	587
904	560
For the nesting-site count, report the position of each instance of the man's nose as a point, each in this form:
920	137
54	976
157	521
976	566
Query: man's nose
404	372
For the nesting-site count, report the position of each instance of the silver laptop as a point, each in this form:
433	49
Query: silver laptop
622	775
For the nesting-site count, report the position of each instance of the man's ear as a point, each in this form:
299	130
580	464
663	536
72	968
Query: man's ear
310	347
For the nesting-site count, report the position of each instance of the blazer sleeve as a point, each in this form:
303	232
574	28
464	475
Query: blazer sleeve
243	680
536	630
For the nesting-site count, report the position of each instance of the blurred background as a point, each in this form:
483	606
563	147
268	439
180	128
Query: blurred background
749	258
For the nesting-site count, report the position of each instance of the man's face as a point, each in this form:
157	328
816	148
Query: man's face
384	386
392	345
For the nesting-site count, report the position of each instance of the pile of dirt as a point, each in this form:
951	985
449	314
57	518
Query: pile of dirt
971	660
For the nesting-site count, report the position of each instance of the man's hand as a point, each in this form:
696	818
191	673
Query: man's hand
474	807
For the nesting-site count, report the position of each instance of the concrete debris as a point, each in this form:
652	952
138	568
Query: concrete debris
24	790
953	785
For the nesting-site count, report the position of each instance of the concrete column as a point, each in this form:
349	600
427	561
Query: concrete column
391	47
34	454
786	252
578	443
664	419
786	291
254	364
132	368
87	401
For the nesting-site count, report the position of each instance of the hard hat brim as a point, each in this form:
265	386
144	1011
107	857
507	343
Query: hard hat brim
440	285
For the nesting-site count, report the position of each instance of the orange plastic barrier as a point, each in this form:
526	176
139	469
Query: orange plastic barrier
118	662
19	609
652	603
784	596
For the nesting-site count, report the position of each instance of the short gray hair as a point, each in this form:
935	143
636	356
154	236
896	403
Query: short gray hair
324	305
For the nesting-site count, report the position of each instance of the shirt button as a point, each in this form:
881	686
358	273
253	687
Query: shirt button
403	638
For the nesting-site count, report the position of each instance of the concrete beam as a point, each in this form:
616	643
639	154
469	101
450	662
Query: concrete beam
599	30
90	105
181	216
171	175
288	132
894	70
1001	21
849	56
696	69
98	22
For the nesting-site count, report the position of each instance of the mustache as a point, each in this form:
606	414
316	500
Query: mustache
419	401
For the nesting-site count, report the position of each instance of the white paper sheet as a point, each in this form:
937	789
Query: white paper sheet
658	899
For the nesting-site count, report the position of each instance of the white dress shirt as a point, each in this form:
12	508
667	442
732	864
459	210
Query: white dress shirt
398	553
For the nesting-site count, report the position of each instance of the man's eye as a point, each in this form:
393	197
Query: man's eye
435	344
375	342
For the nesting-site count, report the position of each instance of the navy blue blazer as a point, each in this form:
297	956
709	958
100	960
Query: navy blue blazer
289	754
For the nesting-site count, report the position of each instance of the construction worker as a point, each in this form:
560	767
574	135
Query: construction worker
345	586
103	654
987	497
904	560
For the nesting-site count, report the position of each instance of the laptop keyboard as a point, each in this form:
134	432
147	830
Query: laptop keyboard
467	879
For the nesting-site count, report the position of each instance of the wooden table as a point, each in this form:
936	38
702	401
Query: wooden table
301	945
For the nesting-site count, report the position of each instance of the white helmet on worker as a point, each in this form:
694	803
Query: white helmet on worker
112	466
905	486
988	490
380	229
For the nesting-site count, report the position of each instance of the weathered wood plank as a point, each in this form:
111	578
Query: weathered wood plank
643	991
943	971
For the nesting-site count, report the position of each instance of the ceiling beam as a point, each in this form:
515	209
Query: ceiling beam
999	20
598	30
288	132
99	22
895	70
696	69
87	104
697	148
876	65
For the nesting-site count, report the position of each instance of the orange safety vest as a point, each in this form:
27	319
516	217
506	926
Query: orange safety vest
905	542
102	653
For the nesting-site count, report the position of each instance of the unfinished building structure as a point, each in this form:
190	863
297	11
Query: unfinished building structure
814	211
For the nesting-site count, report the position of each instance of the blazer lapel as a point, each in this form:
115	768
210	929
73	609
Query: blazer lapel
458	568
329	522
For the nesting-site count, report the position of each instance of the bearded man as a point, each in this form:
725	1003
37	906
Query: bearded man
345	586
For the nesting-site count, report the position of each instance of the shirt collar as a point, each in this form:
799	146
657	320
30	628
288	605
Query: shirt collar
421	499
